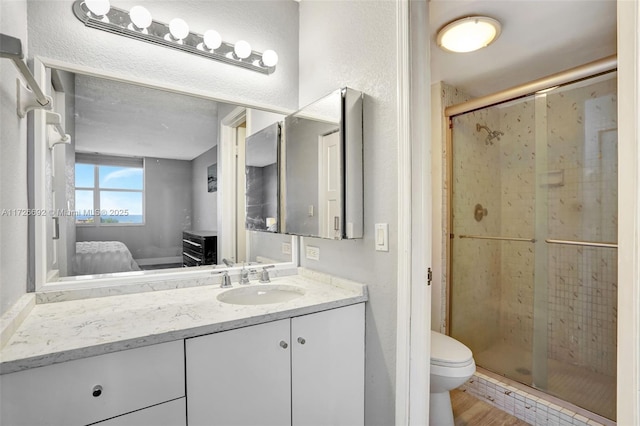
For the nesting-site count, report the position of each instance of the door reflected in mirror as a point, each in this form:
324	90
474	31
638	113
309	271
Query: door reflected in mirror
322	156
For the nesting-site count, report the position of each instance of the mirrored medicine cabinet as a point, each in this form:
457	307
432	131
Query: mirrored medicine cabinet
317	190
322	176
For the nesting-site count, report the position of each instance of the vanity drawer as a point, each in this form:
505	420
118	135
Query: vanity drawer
93	389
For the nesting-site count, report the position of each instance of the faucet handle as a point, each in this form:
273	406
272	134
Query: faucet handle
264	275
226	279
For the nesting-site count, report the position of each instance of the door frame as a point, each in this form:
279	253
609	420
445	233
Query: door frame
227	173
413	338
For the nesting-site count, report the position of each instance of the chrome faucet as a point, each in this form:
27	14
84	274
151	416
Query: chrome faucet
244	275
264	275
226	279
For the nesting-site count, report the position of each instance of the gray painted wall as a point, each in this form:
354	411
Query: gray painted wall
167	213
205	204
359	51
13	166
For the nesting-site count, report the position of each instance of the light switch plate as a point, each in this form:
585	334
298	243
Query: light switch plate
381	236
286	248
313	253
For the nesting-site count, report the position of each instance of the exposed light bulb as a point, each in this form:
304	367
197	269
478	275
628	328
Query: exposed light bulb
242	49
140	17
98	7
212	39
269	58
178	29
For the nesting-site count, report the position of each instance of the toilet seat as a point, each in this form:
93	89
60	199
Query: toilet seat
448	352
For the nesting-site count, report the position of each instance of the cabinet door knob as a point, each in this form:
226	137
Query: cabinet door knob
301	340
97	391
283	344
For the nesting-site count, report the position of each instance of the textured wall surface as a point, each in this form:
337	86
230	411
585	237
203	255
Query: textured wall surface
13	166
345	43
205	204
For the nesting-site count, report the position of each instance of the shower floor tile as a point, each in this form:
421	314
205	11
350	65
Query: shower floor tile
577	385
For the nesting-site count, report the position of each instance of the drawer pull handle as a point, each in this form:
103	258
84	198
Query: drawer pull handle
191	257
97	391
283	344
301	340
191	242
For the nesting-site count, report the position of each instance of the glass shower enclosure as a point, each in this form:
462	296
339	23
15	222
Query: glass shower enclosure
533	262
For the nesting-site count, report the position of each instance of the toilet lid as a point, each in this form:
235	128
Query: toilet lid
447	351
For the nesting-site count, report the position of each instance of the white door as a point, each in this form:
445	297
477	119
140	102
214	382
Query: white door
240	377
329	193
327	364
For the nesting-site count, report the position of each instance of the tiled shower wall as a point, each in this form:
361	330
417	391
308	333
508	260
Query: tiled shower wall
582	140
476	180
494	281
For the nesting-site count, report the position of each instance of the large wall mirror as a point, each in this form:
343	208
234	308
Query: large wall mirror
136	192
323	175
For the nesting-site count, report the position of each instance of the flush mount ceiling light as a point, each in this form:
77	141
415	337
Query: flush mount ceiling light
138	24
468	34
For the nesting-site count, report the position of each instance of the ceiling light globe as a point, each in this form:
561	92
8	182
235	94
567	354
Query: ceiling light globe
468	34
140	17
242	49
269	58
178	28
98	7
212	39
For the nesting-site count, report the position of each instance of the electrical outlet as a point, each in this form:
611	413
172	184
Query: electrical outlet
286	248
313	253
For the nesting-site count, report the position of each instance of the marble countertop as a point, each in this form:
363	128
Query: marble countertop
64	331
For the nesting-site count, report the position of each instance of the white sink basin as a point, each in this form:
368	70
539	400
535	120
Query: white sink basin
261	294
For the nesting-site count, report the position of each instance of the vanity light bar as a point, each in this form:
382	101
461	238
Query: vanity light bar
118	21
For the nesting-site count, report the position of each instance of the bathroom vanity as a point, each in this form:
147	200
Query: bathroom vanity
186	356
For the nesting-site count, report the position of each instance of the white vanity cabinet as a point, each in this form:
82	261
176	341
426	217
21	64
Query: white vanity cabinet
102	387
307	370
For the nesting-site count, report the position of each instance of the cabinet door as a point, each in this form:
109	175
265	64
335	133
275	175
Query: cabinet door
172	413
240	377
328	367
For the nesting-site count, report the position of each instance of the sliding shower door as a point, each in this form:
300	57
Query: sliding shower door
533	250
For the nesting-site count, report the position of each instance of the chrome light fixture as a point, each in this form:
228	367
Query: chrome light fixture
468	34
138	24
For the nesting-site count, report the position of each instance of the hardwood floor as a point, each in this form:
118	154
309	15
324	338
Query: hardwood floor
468	410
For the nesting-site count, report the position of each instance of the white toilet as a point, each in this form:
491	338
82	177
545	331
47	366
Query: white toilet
451	365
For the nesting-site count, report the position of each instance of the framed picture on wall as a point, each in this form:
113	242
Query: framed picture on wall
212	178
